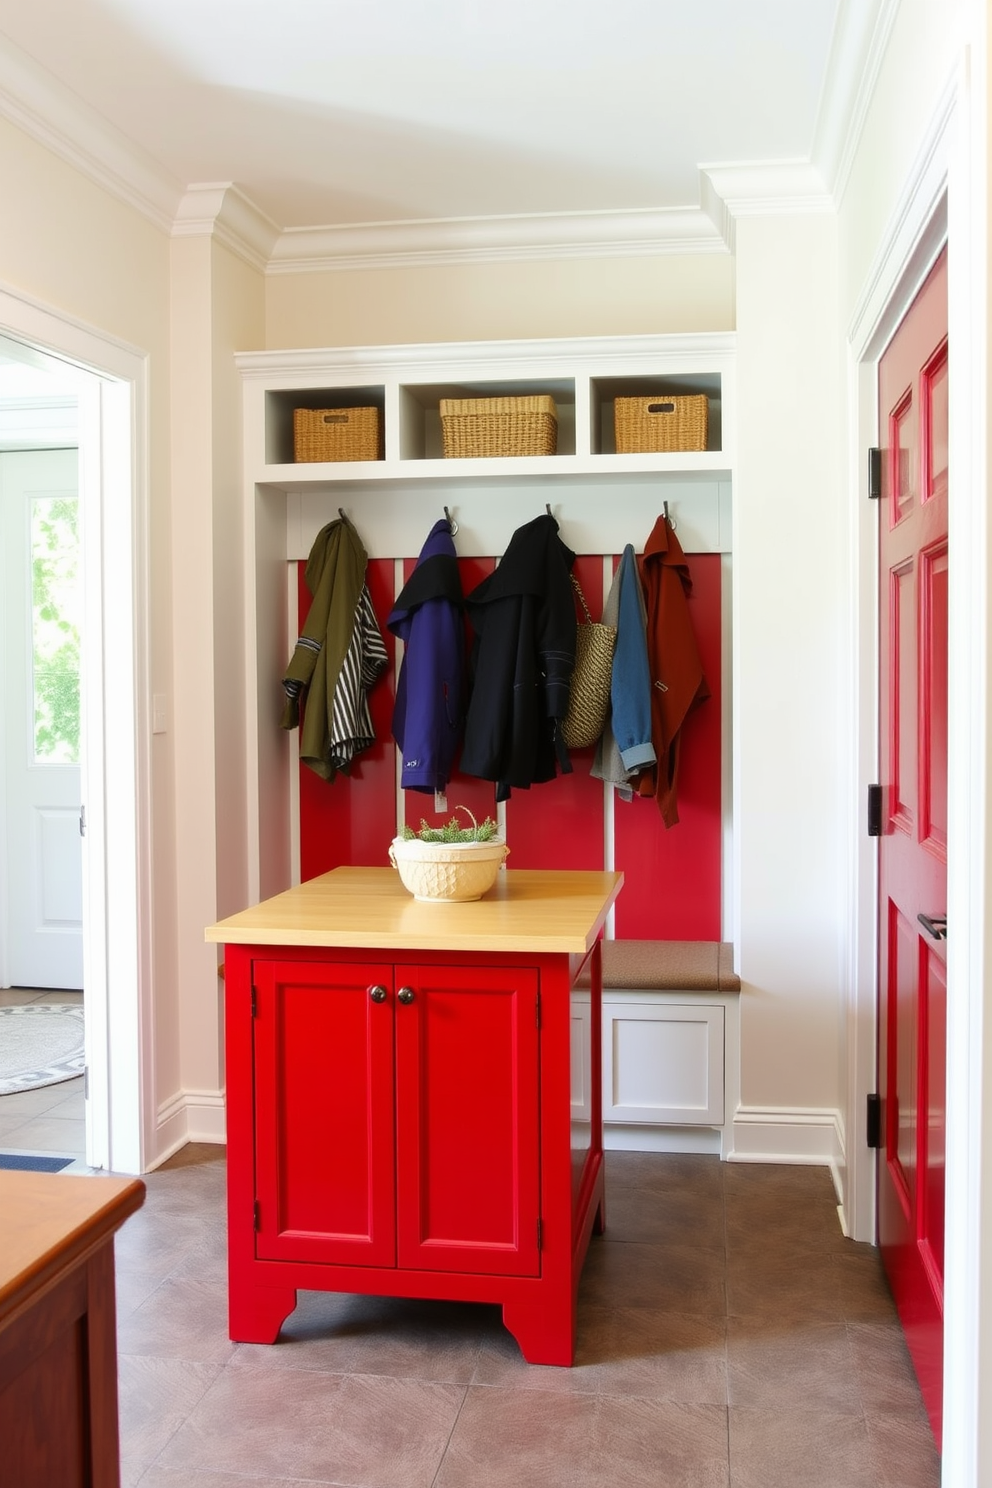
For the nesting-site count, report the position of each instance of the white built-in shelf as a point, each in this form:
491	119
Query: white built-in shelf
596	494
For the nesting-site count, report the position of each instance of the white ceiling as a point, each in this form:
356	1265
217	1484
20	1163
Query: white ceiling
327	114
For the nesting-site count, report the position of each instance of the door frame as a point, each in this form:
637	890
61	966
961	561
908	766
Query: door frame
945	199
116	733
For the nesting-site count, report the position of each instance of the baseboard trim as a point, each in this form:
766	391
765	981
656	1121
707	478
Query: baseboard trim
190	1116
704	1139
778	1134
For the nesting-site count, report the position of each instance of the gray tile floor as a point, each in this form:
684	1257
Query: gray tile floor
729	1337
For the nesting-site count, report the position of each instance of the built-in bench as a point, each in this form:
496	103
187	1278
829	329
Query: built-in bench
671	1036
669	965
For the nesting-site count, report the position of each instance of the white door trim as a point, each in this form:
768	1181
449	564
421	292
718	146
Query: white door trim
116	764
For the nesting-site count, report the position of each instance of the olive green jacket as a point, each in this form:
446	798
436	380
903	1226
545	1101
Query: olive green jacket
335	576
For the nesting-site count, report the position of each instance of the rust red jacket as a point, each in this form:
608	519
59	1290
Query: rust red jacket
678	683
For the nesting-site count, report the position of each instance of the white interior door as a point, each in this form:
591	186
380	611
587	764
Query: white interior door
42	605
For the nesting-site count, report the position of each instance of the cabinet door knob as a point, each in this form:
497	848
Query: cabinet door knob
405	994
378	994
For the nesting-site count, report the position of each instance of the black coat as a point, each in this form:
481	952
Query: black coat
523	657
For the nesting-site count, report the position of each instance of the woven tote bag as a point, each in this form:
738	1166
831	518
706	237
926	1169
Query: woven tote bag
589	694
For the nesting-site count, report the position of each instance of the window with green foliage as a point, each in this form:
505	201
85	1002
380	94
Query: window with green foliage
55	595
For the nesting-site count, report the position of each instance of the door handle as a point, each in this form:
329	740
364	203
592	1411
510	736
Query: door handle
405	994
935	925
378	994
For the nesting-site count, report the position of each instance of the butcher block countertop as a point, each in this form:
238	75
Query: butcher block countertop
369	909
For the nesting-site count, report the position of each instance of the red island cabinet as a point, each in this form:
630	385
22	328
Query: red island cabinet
411	1110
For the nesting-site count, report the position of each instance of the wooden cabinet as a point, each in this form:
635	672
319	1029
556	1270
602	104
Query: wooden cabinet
406	1112
395	1115
58	1346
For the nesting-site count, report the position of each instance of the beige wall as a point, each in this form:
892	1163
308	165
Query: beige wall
77	250
501	301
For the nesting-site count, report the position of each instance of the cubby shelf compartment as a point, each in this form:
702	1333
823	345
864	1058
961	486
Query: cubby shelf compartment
604	392
420	413
280	404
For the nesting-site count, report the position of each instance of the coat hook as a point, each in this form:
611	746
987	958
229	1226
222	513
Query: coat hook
341	514
452	524
671	523
547	508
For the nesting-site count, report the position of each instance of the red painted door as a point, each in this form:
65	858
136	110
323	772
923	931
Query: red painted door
913	592
467	1135
324	1128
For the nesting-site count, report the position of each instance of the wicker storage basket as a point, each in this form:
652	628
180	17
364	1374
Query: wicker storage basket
336	434
473	427
660	424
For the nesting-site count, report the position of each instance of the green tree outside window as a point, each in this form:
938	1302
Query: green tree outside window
55	593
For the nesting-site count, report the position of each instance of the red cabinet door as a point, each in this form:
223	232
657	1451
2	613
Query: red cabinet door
467	1111
324	1116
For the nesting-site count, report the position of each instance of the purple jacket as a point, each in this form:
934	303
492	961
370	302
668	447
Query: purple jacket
428	715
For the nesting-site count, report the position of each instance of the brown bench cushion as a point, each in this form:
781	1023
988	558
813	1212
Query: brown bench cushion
668	966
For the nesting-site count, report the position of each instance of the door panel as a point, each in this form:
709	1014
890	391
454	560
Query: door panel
324	1113
913	590
933	713
467	1120
39	625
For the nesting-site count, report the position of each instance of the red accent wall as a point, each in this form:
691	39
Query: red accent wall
672	885
672	888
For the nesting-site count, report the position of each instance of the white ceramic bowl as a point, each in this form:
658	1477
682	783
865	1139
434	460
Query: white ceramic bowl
447	872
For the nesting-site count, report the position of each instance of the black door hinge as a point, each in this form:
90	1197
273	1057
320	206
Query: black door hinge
874	811
537	1009
873	1121
257	1218
540	1233
874	473
254	1000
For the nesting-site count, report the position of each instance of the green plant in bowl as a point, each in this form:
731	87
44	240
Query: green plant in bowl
452	831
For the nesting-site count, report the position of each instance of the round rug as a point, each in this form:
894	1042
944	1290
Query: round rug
41	1043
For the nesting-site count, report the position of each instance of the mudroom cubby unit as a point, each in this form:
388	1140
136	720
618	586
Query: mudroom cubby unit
601	500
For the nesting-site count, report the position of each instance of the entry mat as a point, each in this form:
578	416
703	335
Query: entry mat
26	1162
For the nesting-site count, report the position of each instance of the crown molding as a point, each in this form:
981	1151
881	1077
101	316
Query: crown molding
220	210
36	103
33	101
768	187
564	235
857	50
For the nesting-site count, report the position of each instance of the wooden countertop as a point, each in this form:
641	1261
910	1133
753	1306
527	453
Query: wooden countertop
369	909
49	1221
